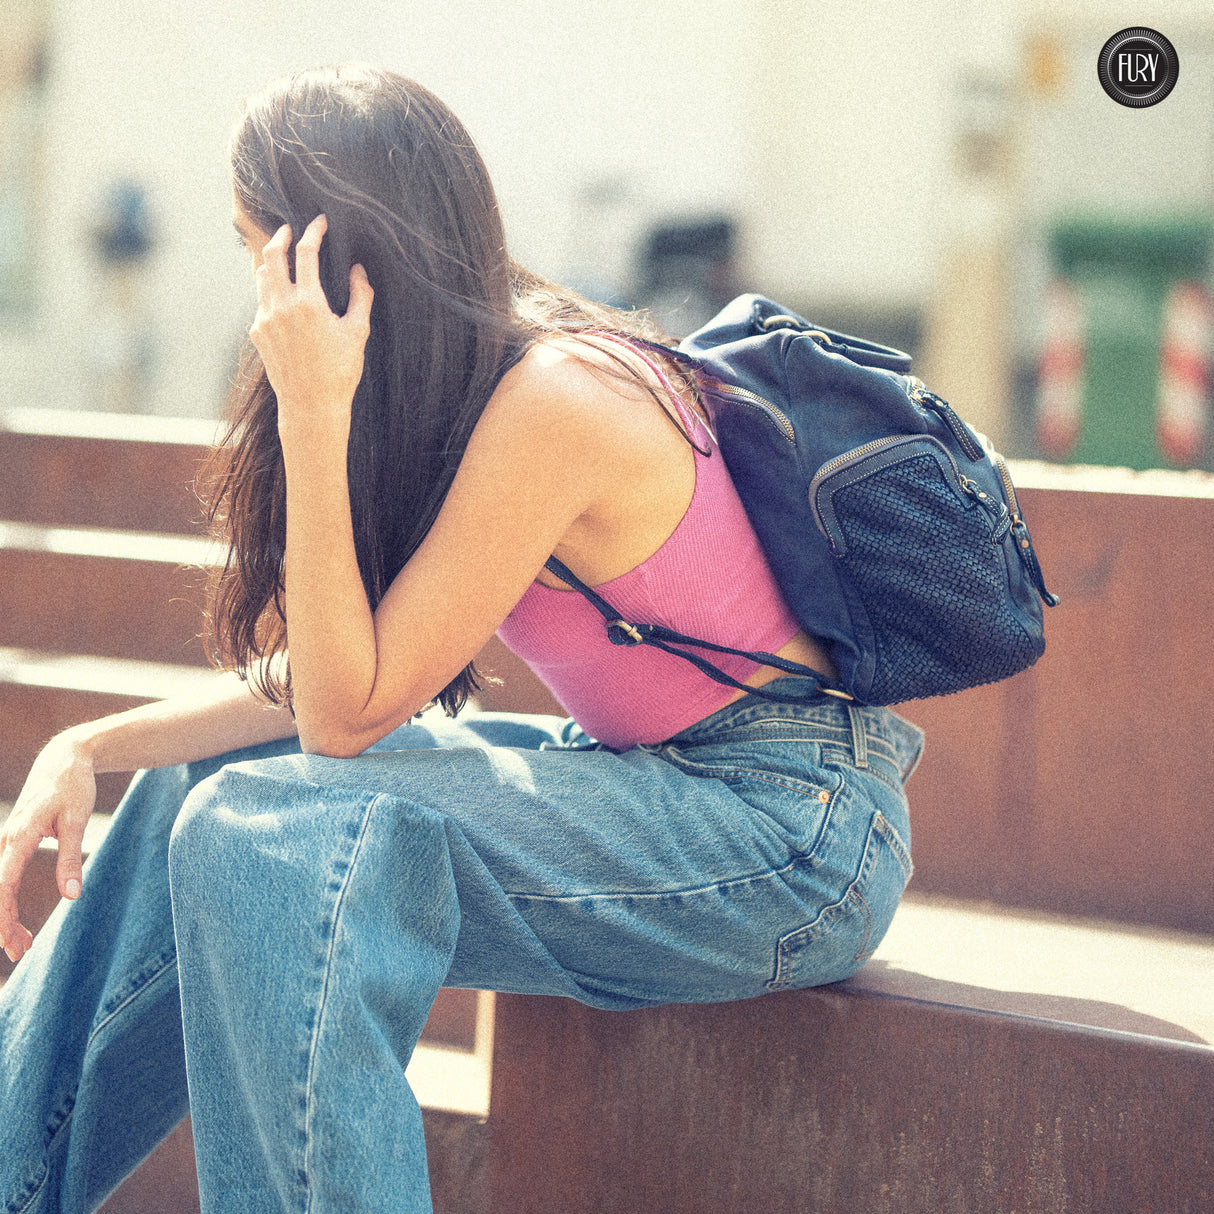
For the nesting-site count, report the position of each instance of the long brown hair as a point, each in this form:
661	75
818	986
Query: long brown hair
406	195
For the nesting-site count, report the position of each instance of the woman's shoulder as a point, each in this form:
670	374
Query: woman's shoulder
579	368
587	380
569	422
555	401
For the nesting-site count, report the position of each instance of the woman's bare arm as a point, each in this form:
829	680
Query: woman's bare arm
531	468
60	790
181	729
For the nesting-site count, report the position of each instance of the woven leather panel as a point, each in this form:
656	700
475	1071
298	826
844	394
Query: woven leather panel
936	564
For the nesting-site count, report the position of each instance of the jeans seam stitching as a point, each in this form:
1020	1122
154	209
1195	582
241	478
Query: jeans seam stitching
46	1172
309	1105
726	771
679	891
876	769
729	771
169	964
801	732
782	976
803	787
894	841
70	1102
857	897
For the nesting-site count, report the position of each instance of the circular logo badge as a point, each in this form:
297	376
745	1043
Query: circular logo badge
1138	67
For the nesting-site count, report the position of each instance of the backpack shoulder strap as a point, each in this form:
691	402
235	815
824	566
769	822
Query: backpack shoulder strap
646	351
622	632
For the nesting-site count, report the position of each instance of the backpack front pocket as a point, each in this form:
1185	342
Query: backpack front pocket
923	556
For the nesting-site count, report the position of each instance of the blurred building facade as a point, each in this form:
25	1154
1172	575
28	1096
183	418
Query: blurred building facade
893	168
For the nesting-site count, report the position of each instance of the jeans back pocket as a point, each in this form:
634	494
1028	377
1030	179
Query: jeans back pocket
844	935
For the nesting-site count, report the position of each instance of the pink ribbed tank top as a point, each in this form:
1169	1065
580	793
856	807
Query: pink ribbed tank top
709	579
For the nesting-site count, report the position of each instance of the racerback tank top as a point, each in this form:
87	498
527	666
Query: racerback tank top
709	579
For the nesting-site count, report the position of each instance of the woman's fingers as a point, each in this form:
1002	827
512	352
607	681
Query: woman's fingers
15	853
276	260
274	276
307	255
54	803
69	868
361	297
312	356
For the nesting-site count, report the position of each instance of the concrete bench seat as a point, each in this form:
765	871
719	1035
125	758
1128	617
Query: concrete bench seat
1091	973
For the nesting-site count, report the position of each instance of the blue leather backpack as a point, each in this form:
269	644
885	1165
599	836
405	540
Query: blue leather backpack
892	528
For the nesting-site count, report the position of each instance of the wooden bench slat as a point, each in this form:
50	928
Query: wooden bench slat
100	470
33	715
65	602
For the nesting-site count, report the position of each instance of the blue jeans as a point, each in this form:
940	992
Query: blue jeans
261	936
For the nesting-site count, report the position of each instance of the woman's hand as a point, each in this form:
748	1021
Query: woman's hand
313	358
55	803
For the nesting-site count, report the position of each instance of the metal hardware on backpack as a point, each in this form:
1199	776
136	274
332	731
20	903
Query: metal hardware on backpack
893	531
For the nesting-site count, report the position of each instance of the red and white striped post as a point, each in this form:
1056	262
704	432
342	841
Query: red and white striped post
1186	346
1060	370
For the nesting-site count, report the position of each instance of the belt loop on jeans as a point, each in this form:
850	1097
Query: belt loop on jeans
859	741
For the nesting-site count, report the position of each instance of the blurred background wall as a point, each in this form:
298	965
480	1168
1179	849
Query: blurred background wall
905	169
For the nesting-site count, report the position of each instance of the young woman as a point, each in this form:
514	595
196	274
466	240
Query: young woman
419	425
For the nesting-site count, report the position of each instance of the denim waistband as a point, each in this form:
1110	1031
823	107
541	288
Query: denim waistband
869	733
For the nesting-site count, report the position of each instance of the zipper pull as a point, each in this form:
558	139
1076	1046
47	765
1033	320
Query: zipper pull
945	412
1024	546
1001	515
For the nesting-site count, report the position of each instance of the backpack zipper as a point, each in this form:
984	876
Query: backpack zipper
1008	488
778	418
923	396
1020	535
860	454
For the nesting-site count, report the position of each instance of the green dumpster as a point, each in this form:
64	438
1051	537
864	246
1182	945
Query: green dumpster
1122	272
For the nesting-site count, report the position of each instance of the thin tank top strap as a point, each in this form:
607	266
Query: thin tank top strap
690	418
